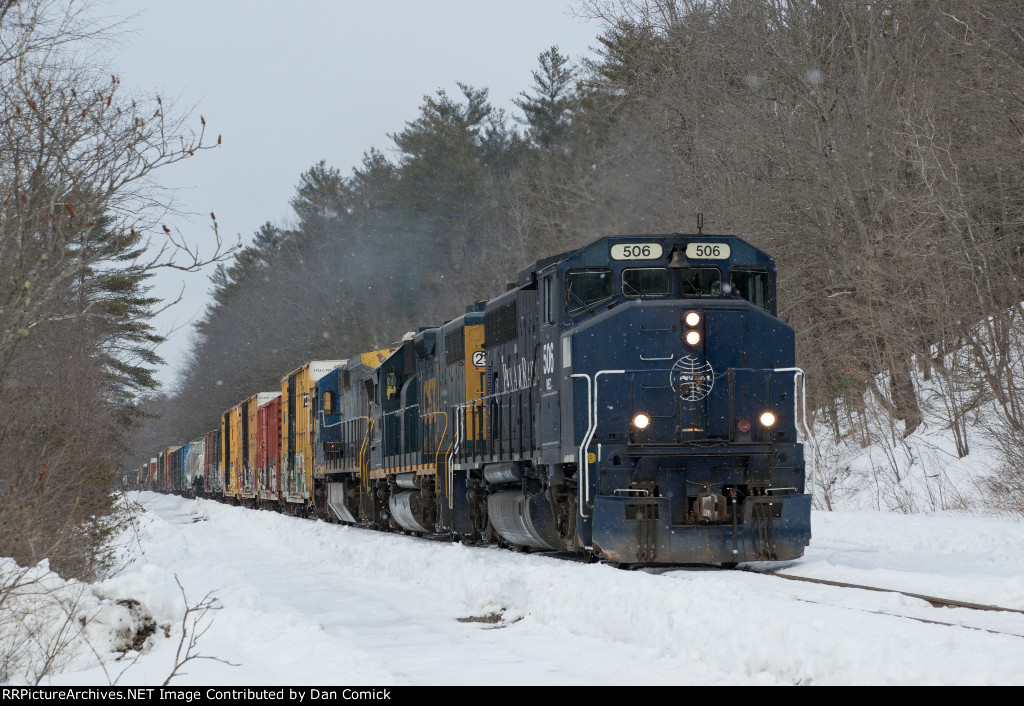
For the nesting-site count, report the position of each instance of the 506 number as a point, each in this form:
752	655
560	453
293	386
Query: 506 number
637	251
708	251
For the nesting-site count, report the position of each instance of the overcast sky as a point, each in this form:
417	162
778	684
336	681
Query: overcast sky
289	84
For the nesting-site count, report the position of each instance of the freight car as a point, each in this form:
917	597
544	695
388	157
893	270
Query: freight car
635	401
268	451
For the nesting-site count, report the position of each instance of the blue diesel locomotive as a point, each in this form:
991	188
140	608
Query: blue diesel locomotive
633	401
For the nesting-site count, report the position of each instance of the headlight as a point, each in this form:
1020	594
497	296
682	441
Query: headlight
767	419
693	337
641	421
692	319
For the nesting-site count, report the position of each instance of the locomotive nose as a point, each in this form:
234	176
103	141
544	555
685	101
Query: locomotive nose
661	397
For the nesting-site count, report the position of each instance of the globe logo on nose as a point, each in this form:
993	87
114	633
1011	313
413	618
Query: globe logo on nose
692	379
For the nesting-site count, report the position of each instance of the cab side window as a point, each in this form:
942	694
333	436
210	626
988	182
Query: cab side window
548	299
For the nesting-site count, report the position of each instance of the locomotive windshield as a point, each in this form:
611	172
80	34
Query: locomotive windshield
585	288
645	282
700	282
753	286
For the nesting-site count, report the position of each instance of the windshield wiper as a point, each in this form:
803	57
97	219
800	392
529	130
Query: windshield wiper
587	307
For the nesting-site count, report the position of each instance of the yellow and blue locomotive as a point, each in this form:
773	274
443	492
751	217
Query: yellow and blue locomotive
634	400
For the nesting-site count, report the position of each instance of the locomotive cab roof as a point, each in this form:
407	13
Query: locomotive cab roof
599	252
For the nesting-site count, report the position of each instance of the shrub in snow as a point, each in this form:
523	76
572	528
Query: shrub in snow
49	625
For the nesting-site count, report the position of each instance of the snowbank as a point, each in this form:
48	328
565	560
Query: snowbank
311	603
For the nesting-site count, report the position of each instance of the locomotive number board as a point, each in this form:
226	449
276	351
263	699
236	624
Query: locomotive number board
636	251
708	251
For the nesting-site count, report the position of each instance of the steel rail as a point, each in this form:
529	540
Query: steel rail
935	601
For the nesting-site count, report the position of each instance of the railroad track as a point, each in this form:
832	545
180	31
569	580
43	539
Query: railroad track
934	601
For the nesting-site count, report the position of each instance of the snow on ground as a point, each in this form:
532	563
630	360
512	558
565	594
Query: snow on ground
313	603
865	460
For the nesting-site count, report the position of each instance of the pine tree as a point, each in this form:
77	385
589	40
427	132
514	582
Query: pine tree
322	196
263	253
549	108
119	319
441	162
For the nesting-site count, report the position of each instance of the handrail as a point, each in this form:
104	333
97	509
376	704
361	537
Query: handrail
803	420
364	468
583	484
448	482
400	410
457	443
593	430
436	451
582	450
325	425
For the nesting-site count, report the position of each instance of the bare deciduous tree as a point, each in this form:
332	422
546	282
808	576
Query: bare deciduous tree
194	624
80	230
